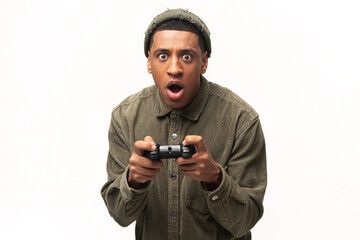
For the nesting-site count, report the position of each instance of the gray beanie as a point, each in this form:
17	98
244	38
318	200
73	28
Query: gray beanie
180	14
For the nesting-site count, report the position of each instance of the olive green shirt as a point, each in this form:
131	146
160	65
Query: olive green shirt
173	206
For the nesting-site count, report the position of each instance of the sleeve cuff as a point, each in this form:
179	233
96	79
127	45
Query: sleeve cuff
220	194
129	193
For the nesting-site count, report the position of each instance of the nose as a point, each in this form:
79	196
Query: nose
174	67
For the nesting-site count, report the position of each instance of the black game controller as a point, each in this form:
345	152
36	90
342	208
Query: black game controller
170	151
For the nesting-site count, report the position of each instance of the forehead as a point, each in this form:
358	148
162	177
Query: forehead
173	39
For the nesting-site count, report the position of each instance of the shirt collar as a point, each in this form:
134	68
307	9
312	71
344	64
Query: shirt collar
193	110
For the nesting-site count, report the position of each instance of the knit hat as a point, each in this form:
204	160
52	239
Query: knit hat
183	15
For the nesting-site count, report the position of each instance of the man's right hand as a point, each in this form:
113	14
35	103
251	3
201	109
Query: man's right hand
141	168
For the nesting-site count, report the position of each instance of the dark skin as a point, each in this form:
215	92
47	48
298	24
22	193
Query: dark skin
201	166
176	57
142	169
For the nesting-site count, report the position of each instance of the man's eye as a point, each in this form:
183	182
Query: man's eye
187	57
162	56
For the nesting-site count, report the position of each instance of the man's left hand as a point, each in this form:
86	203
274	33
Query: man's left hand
200	166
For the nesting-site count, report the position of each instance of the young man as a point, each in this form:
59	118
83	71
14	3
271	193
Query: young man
218	192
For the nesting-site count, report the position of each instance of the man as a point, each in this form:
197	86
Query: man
218	192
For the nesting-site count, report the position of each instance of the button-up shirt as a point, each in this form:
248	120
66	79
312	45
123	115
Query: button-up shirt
173	206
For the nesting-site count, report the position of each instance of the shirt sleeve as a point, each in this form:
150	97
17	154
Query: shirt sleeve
124	203
237	203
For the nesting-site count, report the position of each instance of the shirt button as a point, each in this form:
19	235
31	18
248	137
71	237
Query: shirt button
174	136
173	176
214	198
172	216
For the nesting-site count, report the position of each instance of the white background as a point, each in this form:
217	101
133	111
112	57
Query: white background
65	64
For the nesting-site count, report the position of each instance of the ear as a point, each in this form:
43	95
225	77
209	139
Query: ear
149	63
204	62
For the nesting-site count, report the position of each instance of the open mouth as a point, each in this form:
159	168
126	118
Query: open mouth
175	90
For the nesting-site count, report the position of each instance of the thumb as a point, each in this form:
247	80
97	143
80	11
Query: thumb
149	139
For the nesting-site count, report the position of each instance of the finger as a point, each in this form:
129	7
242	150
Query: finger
196	140
149	139
188	167
193	174
140	178
145	162
151	164
146	172
142	174
183	161
140	146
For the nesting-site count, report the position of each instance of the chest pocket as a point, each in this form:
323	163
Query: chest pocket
194	196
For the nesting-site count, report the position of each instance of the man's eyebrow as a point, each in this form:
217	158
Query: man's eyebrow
188	50
161	50
185	50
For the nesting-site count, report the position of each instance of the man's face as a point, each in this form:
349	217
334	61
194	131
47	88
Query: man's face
176	63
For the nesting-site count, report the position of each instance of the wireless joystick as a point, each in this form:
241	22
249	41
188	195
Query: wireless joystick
170	151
